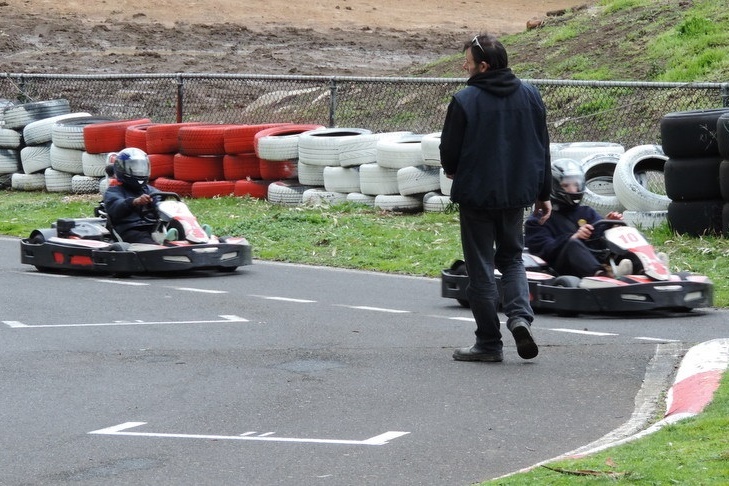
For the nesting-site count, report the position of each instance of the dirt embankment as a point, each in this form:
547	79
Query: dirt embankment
318	37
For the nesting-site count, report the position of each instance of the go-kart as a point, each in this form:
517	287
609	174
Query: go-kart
92	244
651	287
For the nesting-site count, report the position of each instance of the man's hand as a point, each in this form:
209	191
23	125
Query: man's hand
543	209
614	215
584	232
142	200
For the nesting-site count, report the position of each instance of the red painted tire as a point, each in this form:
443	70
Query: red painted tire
239	138
161	165
194	168
183	188
109	136
252	188
202	139
212	189
241	166
136	136
279	169
162	137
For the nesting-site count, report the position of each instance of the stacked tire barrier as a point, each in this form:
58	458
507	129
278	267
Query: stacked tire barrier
693	171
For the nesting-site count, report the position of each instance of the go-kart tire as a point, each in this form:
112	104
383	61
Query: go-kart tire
632	194
691	133
567	281
459	268
120	246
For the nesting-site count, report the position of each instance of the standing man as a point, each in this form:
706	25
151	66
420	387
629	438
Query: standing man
495	147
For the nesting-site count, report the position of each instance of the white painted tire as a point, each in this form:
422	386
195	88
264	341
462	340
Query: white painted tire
435	202
579	151
418	180
9	161
323	147
28	182
67	160
57	181
81	184
359	198
322	197
356	151
430	149
375	180
310	175
645	219
599	187
287	194
445	183
10	138
341	179
18	116
630	183
40	131
94	165
36	158
399	203
400	153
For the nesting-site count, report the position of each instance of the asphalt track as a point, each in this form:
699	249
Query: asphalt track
285	374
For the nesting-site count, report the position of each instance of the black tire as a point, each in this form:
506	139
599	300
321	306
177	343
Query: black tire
722	135
724	179
692	179
691	133
459	268
569	281
696	218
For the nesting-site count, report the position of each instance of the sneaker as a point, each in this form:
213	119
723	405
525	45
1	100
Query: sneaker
525	345
208	230
663	257
172	235
624	267
474	354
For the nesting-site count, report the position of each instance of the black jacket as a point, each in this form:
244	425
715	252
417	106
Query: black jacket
547	240
495	143
122	213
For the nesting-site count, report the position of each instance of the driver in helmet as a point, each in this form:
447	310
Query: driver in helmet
561	240
126	201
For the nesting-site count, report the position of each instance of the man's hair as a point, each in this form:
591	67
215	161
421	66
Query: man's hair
490	51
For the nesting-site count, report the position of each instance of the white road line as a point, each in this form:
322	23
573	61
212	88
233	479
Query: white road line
660	340
226	319
588	333
377	309
284	299
468	319
120	282
202	291
121	429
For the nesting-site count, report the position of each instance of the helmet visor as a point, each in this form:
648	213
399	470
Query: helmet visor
137	167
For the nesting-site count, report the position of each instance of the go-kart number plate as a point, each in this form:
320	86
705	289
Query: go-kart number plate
626	237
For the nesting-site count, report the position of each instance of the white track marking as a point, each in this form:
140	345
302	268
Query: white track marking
284	299
122	429
226	319
587	333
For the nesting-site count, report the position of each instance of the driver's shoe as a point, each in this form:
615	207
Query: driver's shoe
208	230
624	267
172	235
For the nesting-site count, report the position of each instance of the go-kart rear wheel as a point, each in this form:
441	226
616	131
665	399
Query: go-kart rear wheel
459	268
567	281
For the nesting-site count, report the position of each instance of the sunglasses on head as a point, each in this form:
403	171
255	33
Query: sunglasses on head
477	43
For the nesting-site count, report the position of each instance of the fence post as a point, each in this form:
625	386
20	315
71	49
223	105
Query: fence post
332	101
725	94
180	98
21	90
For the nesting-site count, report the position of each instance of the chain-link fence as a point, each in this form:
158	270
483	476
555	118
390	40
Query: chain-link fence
620	112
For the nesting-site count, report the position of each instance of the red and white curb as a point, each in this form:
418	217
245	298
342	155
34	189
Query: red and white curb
697	379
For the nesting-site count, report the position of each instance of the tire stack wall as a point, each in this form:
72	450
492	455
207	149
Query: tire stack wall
693	171
722	139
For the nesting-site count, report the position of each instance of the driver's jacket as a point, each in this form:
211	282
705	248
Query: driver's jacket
547	240
120	210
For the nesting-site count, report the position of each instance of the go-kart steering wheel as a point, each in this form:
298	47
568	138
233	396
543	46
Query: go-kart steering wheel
149	211
600	226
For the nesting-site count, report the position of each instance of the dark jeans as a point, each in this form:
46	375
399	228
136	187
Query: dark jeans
135	235
494	239
576	259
